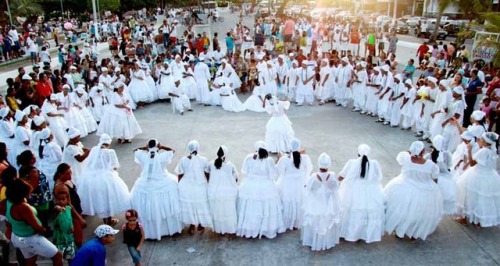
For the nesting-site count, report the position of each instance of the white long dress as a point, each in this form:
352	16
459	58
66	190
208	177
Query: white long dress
254	102
151	84
6	136
68	157
119	122
193	191
459	159
229	72
359	90
414	203
81	105
363	202
165	82
443	101
230	101
189	83
155	196
478	196
102	192
291	184
57	124
202	76
71	114
279	129
21	135
101	102
446	183
52	157
222	194
324	92
260	212
139	88
321	225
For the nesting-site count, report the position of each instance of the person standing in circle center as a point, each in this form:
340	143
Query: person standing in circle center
192	173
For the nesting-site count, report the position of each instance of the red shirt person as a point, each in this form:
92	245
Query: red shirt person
421	51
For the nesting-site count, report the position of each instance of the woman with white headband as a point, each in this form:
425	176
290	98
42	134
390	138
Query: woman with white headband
101	190
362	199
477	125
279	129
455	111
71	114
447	185
138	87
222	193
408	106
460	157
193	182
321	225
81	102
360	77
22	134
55	120
373	87
414	203
49	155
74	153
7	127
441	104
260	212
478	198
154	195
293	170
324	89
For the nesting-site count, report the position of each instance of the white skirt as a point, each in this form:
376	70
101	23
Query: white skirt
194	204
478	196
232	104
103	193
118	125
89	119
279	133
259	209
254	103
448	189
157	202
223	212
292	193
412	211
139	91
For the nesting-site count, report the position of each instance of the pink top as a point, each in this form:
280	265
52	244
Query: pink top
289	27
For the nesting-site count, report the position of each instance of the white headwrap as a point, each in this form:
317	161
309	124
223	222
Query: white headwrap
363	150
399	77
66	86
53	97
26	77
80	90
432	79
324	161
409	82
105	139
467	135
445	83
201	57
416	148
478	115
295	144
376	69
490	137
118	84
345	60
38	120
19	115
259	145
104	69
118	69
193	146
295	62
3	112
363	64
386	68
73	133
45	133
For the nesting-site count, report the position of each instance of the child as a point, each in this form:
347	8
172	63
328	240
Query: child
486	108
133	236
63	227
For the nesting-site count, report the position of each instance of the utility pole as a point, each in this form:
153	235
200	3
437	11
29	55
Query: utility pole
8	11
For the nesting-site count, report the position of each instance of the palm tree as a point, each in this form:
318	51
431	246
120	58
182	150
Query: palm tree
25	8
442	5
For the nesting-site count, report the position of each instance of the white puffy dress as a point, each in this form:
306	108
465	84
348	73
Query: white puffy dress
81	103
101	102
164	83
68	157
321	226
279	130
21	134
139	88
6	132
414	203
57	124
363	202
102	192
260	212
72	115
193	191
118	122
478	196
155	195
291	184
230	101
222	194
446	183
52	157
324	93
254	102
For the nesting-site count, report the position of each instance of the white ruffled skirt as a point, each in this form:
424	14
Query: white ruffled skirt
279	133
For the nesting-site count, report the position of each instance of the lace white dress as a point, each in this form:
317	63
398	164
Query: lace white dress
279	129
222	194
119	122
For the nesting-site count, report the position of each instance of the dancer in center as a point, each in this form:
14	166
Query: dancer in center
279	131
259	204
155	195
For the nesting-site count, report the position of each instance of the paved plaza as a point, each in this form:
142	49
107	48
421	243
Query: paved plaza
334	130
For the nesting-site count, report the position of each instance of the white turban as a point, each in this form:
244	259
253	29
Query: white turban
66	86
53	97
398	77
45	133
458	90
376	69
438	142
416	148
386	68
3	112
445	83
104	69
295	144
193	146
72	68
490	137
345	59
467	135
118	84
19	115
478	115
363	150
80	90
118	69
432	79
409	82
26	77
363	64
38	120
73	133
105	139
324	161
295	62
259	145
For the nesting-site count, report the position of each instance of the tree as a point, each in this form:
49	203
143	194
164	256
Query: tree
282	7
493	25
25	8
442	5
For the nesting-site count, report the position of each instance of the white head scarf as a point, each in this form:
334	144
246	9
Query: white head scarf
460	90
363	150
477	115
3	112
259	145
105	139
324	161
490	137
416	148
193	146
295	144
73	132
19	115
467	135
438	143
38	120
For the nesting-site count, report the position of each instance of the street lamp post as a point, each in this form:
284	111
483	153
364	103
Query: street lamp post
8	11
62	9
96	29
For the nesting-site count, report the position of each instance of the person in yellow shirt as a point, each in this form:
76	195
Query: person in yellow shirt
11	99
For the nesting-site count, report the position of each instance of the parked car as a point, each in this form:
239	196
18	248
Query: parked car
452	29
442	34
413	21
402	28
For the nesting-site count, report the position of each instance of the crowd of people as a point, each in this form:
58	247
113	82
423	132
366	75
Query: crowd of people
47	172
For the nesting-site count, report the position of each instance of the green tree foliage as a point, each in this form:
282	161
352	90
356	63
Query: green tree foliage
25	8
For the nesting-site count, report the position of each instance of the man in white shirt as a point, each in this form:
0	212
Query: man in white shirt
259	54
217	56
15	38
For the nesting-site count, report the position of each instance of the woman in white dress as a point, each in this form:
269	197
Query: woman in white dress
222	193
80	101
321	226
279	130
414	203
441	104
407	106
138	86
478	199
151	82
121	78
455	111
202	77
228	71
71	114
260	212
102	192
7	128
49	154
362	198
55	120
119	121
293	170
460	158
291	79
324	87
98	102
447	185
165	81
192	172
75	153
256	101
360	77
154	194
188	82
229	100
22	135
